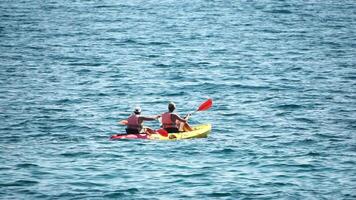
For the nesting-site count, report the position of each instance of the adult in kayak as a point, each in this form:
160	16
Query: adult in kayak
135	122
172	122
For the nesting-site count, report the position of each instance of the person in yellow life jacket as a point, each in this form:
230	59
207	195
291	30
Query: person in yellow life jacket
172	122
135	122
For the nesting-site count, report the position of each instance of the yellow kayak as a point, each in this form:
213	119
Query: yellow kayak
199	131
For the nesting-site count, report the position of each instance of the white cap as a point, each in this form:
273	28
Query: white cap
137	109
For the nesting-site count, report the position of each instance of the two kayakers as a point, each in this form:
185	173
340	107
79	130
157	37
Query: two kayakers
172	122
135	122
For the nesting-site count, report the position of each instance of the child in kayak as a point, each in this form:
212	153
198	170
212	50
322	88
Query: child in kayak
172	122
135	122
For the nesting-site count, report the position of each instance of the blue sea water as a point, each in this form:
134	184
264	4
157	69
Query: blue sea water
282	75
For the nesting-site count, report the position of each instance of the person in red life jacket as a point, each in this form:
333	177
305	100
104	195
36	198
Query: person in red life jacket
135	122
172	122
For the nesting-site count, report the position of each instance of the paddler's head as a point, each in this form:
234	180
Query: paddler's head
171	106
137	110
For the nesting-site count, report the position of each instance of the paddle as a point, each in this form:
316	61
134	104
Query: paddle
204	106
162	132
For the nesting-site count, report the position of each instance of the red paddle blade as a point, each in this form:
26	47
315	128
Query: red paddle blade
162	132
123	122
206	105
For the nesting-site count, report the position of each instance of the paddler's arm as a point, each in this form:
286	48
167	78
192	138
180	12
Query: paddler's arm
176	117
146	118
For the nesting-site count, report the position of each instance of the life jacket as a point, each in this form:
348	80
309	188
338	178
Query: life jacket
167	121
133	123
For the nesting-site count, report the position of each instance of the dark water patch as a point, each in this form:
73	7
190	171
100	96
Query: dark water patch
19	183
129	41
122	193
267	137
88	184
63	137
66	101
26	165
289	107
325	136
251	87
158	43
75	154
161	65
116	195
306	120
350	77
313	153
73	195
153	56
11	139
230	114
277	11
280	184
223	151
281	114
85	64
175	94
204	63
82	71
219	194
351	126
307	141
3	168
189	175
274	31
101	94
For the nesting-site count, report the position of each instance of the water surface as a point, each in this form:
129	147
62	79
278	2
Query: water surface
281	74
